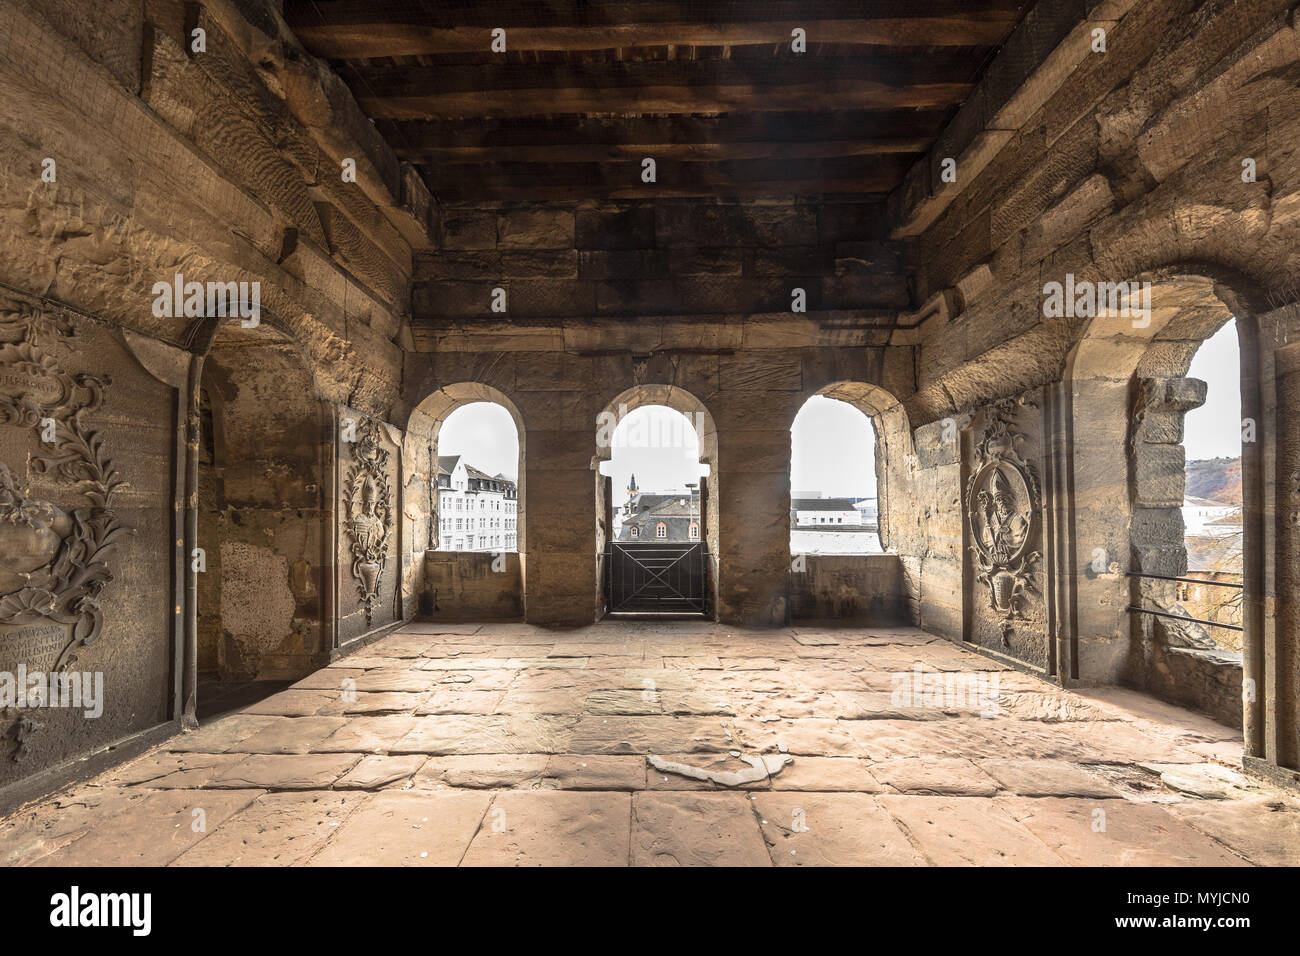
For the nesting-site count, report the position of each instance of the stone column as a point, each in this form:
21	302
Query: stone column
753	505
560	573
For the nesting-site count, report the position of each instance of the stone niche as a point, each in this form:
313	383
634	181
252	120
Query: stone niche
369	496
1003	530
87	565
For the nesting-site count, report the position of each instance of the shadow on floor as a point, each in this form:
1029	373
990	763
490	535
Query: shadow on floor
218	698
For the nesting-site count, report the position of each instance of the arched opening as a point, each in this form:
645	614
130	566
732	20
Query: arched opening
467	521
1213	534
1132	392
656	503
851	445
478	480
834	506
262	535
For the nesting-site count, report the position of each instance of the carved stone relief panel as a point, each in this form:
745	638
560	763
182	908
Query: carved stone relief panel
369	453
1003	507
85	554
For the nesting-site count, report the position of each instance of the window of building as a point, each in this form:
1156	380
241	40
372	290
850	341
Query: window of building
661	530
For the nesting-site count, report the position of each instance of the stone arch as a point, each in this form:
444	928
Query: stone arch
420	496
688	404
263	517
1126	390
895	452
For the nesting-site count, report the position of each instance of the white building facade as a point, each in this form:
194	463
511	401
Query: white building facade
476	511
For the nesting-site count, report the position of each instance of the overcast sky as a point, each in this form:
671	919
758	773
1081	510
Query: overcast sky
1214	429
659	446
834	450
485	434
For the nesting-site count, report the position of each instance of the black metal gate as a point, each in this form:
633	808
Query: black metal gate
650	578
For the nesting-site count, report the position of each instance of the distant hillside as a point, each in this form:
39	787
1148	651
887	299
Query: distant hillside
1215	479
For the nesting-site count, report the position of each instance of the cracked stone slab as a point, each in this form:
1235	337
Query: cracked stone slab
935	775
379	771
967	831
478	772
1116	833
684	828
285	772
831	829
162	770
1264	830
1047	778
366	734
1207	781
456	701
489	734
553	828
221	735
642	735
276	829
761	768
397	680
406	828
153	831
828	774
289	735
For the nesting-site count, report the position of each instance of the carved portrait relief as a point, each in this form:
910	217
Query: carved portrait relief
1002	502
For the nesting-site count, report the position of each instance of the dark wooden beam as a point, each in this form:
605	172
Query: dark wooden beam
685	152
345	29
622	180
453	137
678	86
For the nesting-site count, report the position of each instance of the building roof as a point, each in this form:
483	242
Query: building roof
652	501
447	464
821	504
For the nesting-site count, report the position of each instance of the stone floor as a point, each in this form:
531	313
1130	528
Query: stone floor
508	744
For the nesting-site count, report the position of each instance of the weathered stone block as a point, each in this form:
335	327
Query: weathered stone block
536	227
631	227
468	228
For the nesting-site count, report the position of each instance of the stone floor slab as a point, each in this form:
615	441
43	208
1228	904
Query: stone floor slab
406	828
696	829
553	828
831	829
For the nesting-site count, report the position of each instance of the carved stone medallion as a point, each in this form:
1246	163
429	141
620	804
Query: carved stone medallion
368	501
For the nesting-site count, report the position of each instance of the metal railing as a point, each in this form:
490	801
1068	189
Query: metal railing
1132	609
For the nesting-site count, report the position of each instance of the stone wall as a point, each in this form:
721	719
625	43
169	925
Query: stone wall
464	586
128	157
1123	166
861	589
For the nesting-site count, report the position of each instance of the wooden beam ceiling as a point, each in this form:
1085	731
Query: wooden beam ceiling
352	29
710	89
